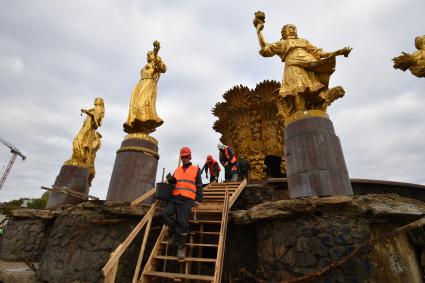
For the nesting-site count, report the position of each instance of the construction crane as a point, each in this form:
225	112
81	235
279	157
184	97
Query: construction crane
15	152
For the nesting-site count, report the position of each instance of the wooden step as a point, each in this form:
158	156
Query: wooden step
197	259
208	198
178	276
201	221
214	193
221	189
204	233
196	245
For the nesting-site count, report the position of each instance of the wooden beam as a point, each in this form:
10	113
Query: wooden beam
143	197
68	191
142	251
115	255
237	193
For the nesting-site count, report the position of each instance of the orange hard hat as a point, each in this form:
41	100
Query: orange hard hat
209	157
185	151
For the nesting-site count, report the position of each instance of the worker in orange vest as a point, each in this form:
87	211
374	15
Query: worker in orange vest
212	165
187	192
228	160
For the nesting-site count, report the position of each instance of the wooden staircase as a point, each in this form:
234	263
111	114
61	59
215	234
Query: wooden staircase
205	244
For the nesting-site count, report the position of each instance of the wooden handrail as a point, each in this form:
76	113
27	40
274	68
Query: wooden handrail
222	239
109	270
143	197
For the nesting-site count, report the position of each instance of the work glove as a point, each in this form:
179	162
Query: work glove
171	179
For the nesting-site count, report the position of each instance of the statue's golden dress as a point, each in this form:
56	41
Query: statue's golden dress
83	142
142	116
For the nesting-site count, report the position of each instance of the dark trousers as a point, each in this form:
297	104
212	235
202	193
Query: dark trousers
212	178
229	174
181	207
243	174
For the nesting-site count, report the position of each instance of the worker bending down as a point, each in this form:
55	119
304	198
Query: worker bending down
228	160
187	192
212	165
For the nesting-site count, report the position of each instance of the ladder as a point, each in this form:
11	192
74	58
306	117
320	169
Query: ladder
205	244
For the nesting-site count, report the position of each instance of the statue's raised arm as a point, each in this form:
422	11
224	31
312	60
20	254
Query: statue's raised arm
307	70
414	62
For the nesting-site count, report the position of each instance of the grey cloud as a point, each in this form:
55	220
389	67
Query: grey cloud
57	56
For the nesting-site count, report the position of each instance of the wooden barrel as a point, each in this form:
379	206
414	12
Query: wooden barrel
314	159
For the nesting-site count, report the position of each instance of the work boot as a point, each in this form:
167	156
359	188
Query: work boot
181	240
171	239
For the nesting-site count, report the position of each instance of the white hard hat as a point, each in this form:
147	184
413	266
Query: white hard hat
220	146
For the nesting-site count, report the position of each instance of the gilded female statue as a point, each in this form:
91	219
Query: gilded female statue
414	62
83	142
307	69
142	116
95	146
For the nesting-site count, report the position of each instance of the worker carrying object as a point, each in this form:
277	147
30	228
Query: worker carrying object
228	160
212	165
187	192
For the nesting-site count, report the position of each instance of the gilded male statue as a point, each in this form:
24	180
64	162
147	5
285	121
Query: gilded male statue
142	116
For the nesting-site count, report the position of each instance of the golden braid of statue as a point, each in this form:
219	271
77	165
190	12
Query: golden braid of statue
142	117
305	82
82	145
414	62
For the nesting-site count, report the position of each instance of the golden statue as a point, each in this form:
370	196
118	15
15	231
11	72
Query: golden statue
83	142
142	116
414	62
305	82
96	144
247	123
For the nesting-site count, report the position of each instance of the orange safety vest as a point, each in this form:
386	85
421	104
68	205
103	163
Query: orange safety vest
233	161
186	179
211	166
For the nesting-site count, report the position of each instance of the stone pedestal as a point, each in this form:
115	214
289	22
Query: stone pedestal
135	168
314	159
70	177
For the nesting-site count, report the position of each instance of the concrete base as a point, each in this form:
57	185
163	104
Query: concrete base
72	177
135	168
314	159
16	272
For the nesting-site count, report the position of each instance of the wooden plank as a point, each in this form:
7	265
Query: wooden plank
143	197
180	276
236	194
204	233
68	191
142	251
110	277
115	255
195	245
205	221
221	241
213	193
149	264
197	259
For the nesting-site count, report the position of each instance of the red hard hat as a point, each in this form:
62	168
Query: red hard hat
209	157
185	151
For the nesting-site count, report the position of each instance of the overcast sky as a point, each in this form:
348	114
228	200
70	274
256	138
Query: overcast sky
57	56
